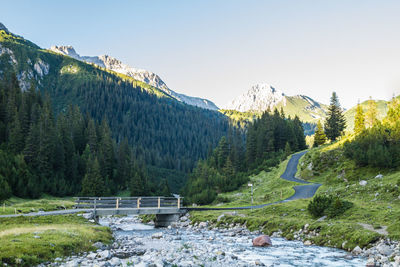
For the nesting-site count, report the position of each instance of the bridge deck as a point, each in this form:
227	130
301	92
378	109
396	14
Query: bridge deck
103	206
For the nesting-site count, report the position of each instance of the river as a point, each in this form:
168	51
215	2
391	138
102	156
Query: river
195	246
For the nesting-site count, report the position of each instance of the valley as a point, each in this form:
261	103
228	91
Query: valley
199	134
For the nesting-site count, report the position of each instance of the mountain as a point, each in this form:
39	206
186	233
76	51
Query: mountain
145	76
165	134
261	97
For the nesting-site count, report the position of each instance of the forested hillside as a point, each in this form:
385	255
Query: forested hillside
70	154
268	140
166	135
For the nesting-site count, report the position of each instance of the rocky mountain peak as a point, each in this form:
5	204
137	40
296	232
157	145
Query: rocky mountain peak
2	27
145	76
65	50
259	97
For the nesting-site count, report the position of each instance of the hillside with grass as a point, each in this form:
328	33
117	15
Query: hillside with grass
357	203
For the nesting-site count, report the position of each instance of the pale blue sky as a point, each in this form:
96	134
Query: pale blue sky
218	49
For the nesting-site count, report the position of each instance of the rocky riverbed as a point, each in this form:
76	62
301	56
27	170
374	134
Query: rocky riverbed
182	244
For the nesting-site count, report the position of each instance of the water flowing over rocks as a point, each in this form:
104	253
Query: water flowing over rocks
202	244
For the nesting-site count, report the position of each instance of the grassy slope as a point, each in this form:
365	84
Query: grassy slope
29	241
300	107
292	216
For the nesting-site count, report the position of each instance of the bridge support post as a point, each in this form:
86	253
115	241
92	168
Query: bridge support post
164	220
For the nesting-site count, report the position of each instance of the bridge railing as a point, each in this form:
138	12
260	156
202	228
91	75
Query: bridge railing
126	202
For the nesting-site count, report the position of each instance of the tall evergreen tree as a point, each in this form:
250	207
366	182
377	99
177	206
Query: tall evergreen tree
335	122
359	120
319	137
371	114
93	183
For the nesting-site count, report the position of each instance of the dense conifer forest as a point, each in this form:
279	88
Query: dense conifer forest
67	154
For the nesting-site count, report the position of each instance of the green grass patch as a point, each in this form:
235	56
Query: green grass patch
46	203
376	203
28	241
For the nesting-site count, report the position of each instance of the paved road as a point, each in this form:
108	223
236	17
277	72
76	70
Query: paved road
301	191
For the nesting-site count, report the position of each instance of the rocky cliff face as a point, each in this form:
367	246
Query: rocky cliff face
148	77
259	97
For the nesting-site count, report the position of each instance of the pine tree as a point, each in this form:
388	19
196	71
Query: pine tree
5	190
93	183
371	113
319	137
335	122
359	120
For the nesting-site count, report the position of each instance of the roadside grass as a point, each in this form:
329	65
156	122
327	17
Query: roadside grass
46	203
27	241
267	187
376	204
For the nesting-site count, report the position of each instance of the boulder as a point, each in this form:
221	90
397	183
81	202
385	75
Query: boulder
363	183
262	241
370	262
384	249
115	261
307	243
357	250
203	224
379	176
104	255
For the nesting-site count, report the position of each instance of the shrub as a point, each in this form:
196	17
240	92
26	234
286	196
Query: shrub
318	205
328	205
222	199
337	207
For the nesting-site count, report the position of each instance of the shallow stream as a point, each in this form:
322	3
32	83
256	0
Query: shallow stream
192	246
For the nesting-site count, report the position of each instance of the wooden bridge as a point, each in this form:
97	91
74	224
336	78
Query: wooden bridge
166	209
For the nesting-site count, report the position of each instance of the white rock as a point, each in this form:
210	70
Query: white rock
307	243
105	255
363	183
384	249
379	176
370	262
203	224
357	250
91	256
115	261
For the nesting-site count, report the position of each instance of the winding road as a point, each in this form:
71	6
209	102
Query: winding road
307	190
301	191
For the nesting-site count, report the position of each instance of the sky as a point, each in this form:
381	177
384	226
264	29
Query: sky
218	49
